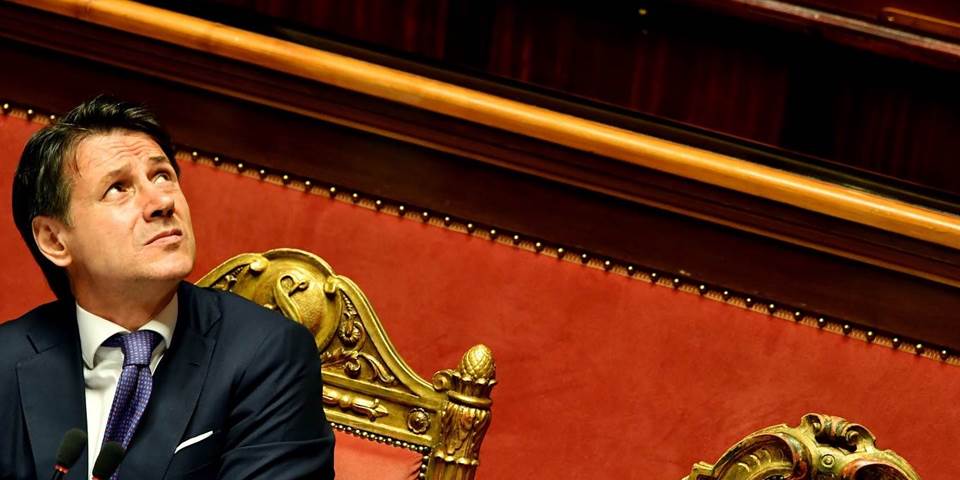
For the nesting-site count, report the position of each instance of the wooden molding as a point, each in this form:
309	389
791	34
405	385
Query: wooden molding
570	131
920	22
890	16
896	33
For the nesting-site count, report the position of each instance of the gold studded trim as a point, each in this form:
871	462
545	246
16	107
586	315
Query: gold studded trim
26	112
376	437
423	450
542	247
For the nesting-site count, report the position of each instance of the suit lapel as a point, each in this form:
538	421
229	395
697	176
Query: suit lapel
52	390
177	384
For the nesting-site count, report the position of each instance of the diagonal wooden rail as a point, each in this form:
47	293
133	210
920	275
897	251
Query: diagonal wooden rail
421	92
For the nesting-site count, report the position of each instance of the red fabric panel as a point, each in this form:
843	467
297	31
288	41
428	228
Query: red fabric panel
359	459
599	376
21	285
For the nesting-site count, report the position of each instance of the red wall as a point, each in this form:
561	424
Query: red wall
600	376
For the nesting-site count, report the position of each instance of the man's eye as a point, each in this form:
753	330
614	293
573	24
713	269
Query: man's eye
162	177
115	188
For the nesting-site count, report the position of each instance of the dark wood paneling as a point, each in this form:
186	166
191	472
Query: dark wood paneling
514	183
414	26
831	93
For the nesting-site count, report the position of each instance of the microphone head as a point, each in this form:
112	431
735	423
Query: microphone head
71	447
109	459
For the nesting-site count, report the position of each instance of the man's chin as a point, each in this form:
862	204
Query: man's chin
173	271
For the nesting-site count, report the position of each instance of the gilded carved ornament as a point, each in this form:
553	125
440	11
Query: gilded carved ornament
368	390
304	289
350	402
466	416
822	447
349	354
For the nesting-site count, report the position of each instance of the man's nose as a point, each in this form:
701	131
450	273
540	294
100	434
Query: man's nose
159	204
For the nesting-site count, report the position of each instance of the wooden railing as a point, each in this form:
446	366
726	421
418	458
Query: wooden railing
432	95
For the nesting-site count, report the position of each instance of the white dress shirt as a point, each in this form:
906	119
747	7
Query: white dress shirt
102	366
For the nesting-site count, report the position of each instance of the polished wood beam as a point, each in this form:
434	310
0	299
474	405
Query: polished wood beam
896	33
421	92
892	16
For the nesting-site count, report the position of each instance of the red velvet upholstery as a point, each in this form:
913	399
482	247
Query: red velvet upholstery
360	459
599	376
19	288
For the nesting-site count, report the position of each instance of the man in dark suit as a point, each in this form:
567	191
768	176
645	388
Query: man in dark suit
193	383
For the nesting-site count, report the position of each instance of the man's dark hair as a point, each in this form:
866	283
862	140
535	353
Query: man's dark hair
41	186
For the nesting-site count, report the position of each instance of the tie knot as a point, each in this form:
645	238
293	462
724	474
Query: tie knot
137	346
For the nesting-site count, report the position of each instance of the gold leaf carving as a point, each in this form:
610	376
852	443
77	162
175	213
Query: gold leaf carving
822	447
354	403
463	427
350	360
445	424
351	331
353	336
227	281
418	420
465	416
284	288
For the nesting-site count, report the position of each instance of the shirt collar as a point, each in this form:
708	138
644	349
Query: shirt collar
94	330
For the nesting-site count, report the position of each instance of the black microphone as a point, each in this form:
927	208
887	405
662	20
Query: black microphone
109	459
71	447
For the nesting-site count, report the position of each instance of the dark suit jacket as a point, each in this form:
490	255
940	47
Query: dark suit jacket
244	372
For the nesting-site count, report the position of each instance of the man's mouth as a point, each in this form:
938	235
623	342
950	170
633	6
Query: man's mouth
166	236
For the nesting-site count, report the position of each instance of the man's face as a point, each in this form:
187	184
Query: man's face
128	219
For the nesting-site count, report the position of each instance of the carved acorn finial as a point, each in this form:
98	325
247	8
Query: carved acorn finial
472	381
477	363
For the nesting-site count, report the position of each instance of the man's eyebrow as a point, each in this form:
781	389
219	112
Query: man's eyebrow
112	174
116	172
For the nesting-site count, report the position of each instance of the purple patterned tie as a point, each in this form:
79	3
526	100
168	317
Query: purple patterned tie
134	386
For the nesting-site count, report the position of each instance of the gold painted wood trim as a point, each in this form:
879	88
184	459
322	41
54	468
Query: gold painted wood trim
822	446
368	388
421	92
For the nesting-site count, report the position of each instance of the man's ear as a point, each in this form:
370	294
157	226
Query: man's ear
50	233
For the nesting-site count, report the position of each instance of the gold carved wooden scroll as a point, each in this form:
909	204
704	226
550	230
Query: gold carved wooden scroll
822	447
369	391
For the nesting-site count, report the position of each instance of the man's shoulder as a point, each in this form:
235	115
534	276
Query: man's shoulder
239	314
14	334
23	324
34	313
253	332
